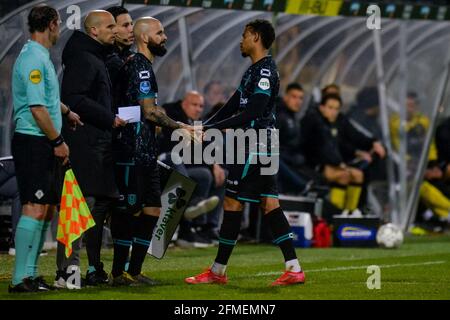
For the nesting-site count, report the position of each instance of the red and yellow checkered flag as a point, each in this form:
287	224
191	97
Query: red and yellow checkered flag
74	215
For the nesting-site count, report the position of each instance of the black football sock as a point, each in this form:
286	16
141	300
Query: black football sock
142	233
121	233
281	232
229	232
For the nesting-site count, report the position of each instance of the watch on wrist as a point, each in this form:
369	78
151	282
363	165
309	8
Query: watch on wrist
67	112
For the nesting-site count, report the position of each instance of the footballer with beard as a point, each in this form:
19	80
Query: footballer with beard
135	151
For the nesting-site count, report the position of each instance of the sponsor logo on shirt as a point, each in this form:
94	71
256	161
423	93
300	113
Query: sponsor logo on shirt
264	84
35	76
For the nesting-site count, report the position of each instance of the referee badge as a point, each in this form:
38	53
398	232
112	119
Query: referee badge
35	76
144	87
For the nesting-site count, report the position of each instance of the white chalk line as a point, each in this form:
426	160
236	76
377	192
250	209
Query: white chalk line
264	274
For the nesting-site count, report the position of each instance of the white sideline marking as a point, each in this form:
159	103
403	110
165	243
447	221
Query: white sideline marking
263	274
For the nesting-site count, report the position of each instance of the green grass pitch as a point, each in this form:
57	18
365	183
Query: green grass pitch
420	269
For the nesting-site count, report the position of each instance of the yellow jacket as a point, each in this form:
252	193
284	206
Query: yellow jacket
418	121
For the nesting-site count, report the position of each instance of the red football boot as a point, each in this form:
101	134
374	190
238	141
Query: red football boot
207	277
288	278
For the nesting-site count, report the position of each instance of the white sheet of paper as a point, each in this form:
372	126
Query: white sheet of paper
130	114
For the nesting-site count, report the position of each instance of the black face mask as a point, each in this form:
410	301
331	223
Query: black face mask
158	50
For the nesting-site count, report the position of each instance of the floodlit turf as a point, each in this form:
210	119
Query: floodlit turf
420	269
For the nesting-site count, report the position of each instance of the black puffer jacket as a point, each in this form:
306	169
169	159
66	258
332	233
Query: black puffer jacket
289	135
86	89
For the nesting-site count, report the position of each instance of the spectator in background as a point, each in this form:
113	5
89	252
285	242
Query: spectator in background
214	93
339	151
331	89
443	146
291	179
317	95
366	111
10	190
416	129
228	4
364	115
210	179
431	192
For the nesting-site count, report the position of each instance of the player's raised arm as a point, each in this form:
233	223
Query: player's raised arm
227	110
254	110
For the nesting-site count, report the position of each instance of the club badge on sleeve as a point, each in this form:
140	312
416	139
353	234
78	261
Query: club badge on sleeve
144	87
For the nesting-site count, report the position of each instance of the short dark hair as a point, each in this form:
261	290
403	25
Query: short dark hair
331	96
294	86
117	11
265	29
40	18
210	84
413	95
329	86
367	98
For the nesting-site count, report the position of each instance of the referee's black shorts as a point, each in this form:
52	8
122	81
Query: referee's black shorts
245	183
38	171
139	187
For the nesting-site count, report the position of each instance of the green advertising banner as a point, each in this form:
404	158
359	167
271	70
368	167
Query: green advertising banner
388	9
256	5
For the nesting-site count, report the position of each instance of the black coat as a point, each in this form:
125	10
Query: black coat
443	141
326	143
289	135
115	60
86	89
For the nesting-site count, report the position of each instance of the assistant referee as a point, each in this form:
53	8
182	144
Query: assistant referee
37	146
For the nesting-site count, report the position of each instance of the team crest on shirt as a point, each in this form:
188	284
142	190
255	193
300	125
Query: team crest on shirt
264	84
35	76
144	87
132	199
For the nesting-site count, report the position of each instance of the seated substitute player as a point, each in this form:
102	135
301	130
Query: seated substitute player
252	106
136	154
442	143
339	151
